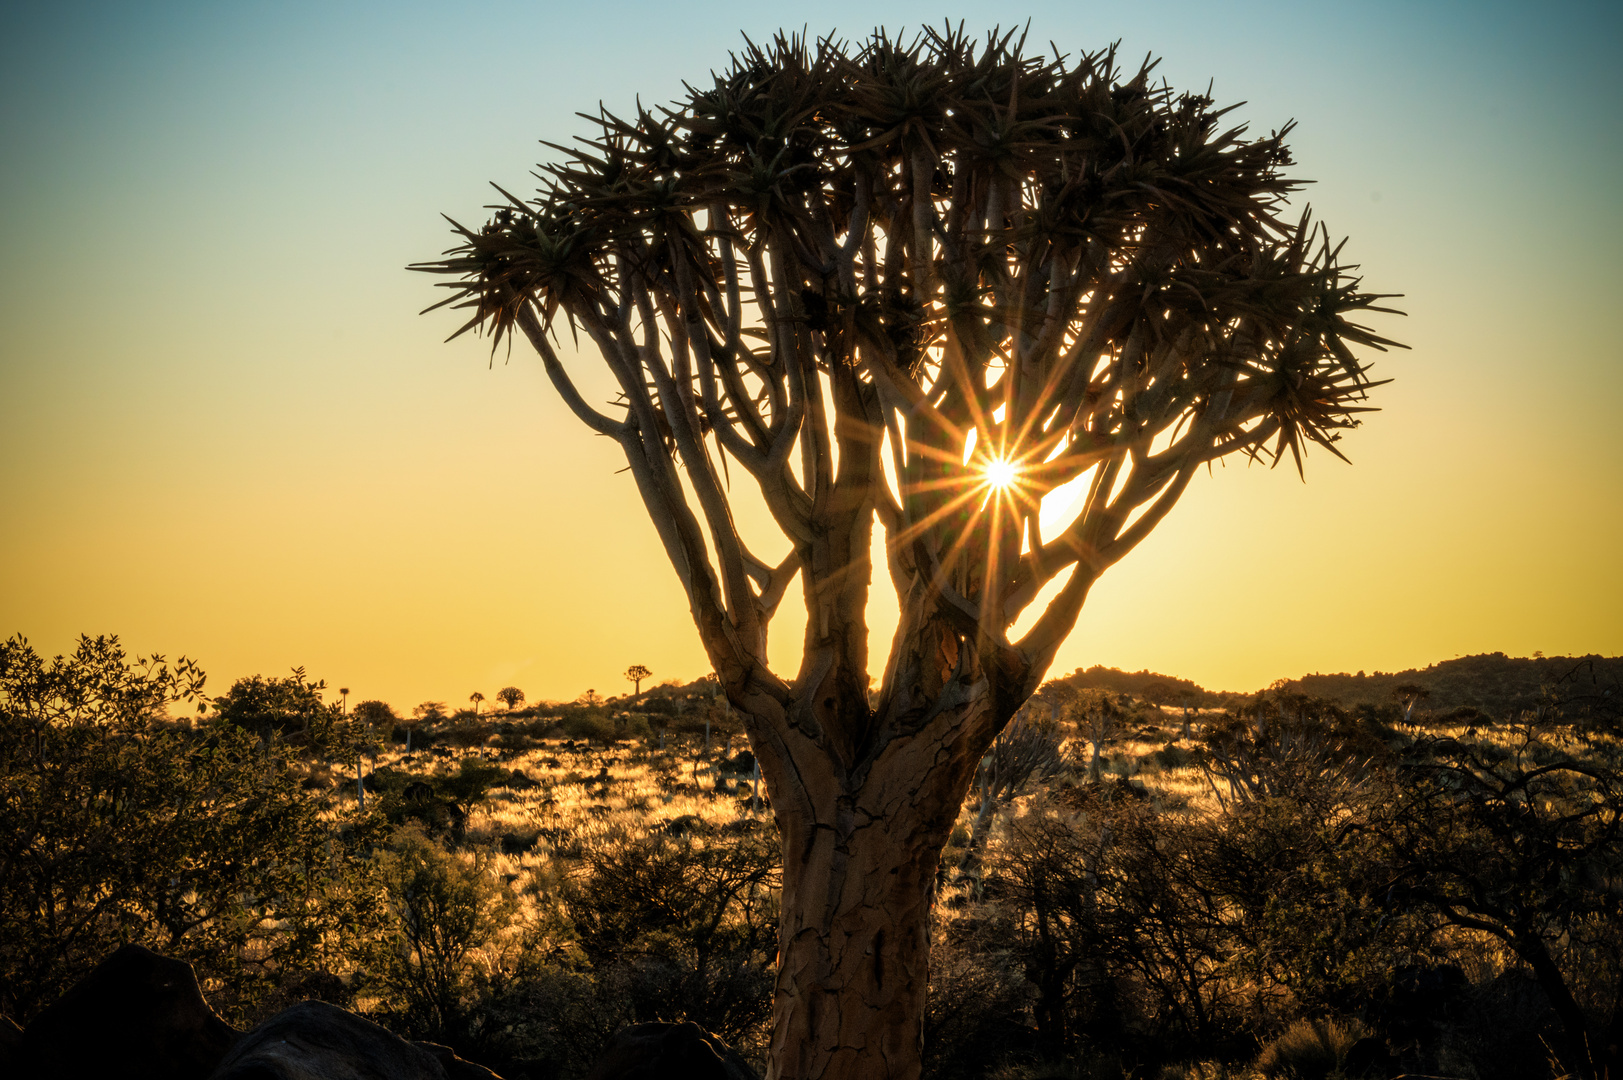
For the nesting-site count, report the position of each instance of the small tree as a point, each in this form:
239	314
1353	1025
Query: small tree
511	697
372	723
1099	718
1526	847
426	713
289	707
1408	696
444	908
919	285
475	699
376	716
635	674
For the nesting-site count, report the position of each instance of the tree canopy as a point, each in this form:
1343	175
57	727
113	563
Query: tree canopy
986	274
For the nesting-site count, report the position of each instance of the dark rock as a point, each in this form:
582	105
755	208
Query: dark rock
669	1052
1368	1057
684	825
519	780
1419	1001
517	843
741	762
457	1068
11	1047
317	1041
138	1015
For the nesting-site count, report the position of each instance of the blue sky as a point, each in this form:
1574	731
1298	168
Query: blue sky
224	429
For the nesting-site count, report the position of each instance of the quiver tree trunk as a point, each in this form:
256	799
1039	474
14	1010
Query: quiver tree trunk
858	881
864	803
924	285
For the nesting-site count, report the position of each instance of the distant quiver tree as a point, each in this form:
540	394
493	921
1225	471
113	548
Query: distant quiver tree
927	285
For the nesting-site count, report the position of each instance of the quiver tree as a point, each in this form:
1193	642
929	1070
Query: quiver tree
927	285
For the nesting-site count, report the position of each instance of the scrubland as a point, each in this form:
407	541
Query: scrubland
1283	887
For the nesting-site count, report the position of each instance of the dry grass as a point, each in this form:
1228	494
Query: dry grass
532	836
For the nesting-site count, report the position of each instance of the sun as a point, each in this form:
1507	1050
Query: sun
1000	472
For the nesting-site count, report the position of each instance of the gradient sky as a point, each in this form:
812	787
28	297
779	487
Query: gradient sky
226	432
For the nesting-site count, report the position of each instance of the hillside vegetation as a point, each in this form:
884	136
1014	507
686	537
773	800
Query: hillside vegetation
1283	886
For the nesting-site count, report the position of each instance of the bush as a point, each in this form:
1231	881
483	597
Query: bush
118	825
588	724
684	927
444	908
1310	1050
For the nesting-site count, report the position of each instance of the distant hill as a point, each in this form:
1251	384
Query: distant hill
1149	686
1499	685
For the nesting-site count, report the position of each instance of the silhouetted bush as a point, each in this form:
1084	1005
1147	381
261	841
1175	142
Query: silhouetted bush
684	926
118	825
443	908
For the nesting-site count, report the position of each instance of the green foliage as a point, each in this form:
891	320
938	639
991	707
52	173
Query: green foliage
376	719
587	723
444	906
687	925
470	783
118	825
289	708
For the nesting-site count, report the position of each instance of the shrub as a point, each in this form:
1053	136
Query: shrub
685	927
444	907
590	726
1310	1050
118	825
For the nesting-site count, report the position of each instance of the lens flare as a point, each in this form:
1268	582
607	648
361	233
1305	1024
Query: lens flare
1000	472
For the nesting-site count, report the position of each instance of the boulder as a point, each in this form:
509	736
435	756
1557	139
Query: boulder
137	1015
741	762
687	824
669	1052
457	1068
317	1041
11	1045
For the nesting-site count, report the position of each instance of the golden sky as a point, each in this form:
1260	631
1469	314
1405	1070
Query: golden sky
226	432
